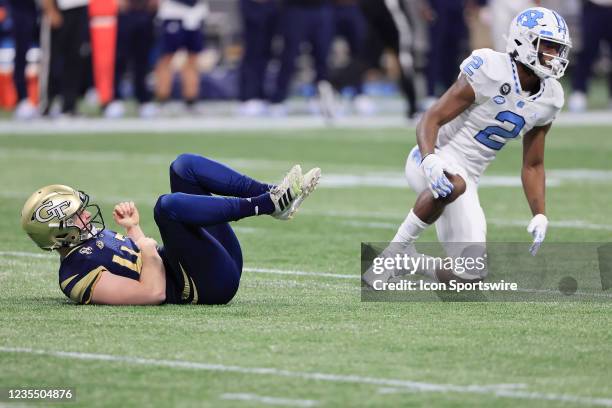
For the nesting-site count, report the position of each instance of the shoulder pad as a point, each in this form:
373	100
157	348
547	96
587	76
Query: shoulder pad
484	70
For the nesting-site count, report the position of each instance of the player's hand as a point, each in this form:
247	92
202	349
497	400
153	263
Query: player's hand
433	168
55	18
537	229
148	247
126	214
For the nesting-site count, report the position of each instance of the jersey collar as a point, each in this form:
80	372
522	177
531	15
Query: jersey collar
517	84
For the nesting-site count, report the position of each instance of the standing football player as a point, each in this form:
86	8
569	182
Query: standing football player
497	97
201	260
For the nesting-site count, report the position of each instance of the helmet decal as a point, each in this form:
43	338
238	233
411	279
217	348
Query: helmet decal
52	211
529	18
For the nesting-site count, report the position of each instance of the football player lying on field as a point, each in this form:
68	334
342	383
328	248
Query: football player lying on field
200	261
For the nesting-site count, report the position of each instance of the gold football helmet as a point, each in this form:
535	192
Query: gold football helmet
48	217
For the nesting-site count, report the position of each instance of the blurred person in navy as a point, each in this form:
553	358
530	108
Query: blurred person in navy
447	31
182	29
24	16
64	32
596	24
390	26
351	25
135	39
303	20
260	24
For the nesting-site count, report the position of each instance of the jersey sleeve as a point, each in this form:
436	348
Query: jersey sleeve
78	279
481	72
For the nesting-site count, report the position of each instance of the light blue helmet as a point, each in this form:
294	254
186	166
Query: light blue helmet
528	29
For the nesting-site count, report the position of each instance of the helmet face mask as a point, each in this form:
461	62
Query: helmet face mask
50	215
533	34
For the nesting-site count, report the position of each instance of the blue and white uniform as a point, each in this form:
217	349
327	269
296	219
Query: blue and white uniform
501	112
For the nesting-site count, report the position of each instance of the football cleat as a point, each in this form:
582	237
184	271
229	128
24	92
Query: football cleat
309	184
286	193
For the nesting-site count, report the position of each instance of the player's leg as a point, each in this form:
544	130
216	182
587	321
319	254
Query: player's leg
199	268
194	174
425	212
321	36
292	30
592	32
462	231
191	79
170	40
426	209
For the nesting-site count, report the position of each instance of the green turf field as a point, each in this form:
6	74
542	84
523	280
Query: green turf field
303	340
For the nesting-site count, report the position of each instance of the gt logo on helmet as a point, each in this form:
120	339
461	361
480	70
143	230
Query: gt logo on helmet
52	211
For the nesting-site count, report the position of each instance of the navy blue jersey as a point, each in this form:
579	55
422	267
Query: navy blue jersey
81	268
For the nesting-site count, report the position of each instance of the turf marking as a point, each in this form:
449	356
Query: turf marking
222	123
317	376
571	224
298	273
313	274
268	400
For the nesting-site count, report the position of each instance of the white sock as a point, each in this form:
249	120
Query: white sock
410	229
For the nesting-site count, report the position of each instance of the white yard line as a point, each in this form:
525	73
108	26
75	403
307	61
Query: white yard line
568	224
273	271
226	124
299	273
262	399
482	389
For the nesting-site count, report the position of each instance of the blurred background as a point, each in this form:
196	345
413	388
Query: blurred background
270	58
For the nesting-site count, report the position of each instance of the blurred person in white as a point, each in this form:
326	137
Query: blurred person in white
64	32
501	14
596	24
135	36
182	29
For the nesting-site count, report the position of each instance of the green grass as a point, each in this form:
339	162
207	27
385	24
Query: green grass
302	324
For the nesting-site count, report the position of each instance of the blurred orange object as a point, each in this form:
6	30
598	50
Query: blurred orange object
8	93
103	27
32	86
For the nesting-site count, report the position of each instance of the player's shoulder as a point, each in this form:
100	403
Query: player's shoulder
554	92
488	63
78	273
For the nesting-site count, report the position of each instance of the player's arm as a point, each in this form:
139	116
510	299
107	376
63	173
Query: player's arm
52	13
126	215
149	290
454	101
534	182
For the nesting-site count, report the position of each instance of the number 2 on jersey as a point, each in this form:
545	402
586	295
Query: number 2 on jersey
484	136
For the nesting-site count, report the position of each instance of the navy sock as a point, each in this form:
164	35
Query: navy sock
256	205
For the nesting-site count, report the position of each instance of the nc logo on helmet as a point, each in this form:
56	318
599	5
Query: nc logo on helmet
52	211
529	18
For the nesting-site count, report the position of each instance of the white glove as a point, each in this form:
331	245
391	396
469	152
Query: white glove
537	229
433	168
